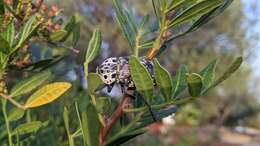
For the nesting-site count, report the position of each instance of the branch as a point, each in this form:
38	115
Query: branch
113	119
163	105
7	97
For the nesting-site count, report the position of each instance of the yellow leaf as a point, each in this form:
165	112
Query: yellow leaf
47	94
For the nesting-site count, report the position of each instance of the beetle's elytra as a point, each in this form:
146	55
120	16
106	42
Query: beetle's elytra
116	70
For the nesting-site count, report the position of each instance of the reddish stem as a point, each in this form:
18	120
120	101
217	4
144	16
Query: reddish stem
126	101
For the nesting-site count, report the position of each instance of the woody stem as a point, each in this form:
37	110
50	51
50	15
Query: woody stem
113	119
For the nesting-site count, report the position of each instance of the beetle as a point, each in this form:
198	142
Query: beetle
116	70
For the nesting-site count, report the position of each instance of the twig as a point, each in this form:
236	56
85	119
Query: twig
13	13
178	102
39	5
113	119
7	97
64	46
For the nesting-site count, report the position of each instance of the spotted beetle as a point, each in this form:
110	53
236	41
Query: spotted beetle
115	70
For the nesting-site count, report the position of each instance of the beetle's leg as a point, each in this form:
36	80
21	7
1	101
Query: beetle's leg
122	88
110	87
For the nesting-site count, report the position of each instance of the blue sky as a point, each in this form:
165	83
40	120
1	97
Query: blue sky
255	60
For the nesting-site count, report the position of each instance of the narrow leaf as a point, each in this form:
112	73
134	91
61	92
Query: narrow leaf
58	35
4	45
123	138
146	121
126	23
42	64
91	126
163	80
208	74
233	68
177	4
47	94
15	114
28	84
157	11
163	6
194	84
66	120
27	31
202	20
94	46
94	82
179	82
2	7
28	128
76	34
8	34
195	11
141	77
69	27
144	21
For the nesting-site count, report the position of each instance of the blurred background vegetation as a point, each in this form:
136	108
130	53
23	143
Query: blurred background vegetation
234	103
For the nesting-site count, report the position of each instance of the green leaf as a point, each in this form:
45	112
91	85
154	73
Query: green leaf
2	7
26	31
94	46
141	77
4	45
194	84
58	35
157	11
76	34
147	45
210	15
9	34
69	27
199	22
66	120
91	126
103	104
144	21
3	61
123	138
28	128
179	82
195	11
148	120
42	64
94	82
163	80
233	68
164	6
126	22
176	4
28	84
15	114
208	74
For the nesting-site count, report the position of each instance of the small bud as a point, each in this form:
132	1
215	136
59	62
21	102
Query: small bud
51	14
38	2
57	26
8	2
55	8
44	7
49	23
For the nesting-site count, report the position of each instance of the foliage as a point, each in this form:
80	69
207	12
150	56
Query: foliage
23	23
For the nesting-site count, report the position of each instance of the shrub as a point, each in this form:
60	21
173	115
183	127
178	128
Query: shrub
152	98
